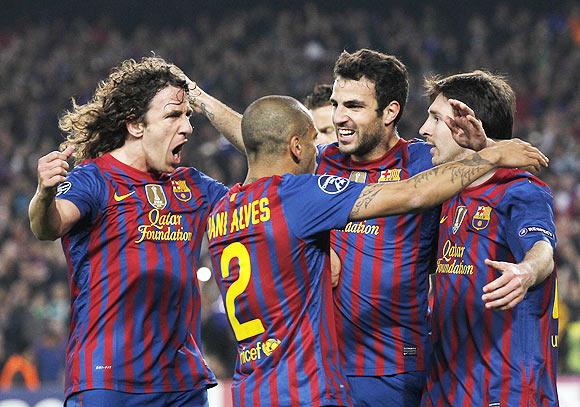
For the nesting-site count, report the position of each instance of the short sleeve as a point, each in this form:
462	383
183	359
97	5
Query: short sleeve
320	149
531	217
84	187
317	203
420	158
215	189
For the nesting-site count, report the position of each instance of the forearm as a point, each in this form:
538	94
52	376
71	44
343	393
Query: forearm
424	190
225	120
45	220
539	262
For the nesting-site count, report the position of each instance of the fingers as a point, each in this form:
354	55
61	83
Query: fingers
505	298
68	152
542	157
461	108
452	124
53	168
500	281
506	291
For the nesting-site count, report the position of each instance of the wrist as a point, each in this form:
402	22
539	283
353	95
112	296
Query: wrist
491	154
46	194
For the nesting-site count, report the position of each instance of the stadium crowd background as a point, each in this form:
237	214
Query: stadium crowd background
239	53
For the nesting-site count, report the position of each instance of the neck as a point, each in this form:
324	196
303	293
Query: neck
131	153
268	168
386	144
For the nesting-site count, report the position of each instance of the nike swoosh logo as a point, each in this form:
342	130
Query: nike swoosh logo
443	219
119	198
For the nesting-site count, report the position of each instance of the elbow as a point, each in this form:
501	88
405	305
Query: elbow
43	235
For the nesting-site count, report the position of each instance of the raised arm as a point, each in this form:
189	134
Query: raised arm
225	120
50	219
506	291
438	184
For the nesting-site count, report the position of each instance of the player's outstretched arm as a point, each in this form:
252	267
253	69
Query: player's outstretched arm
438	184
225	120
466	129
508	290
50	219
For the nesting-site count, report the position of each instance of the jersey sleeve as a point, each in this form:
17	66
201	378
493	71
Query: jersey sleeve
531	218
317	203
85	188
319	151
215	189
419	157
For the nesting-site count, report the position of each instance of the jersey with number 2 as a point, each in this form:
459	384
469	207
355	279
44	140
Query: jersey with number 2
269	243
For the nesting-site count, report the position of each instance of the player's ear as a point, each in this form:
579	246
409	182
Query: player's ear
134	128
390	112
296	148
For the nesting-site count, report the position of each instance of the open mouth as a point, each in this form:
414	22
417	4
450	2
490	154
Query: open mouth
176	152
345	135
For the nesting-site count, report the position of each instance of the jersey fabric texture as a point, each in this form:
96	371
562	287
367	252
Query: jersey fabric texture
132	260
269	244
108	398
484	357
381	300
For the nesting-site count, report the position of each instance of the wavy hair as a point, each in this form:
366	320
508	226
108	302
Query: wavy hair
99	126
387	73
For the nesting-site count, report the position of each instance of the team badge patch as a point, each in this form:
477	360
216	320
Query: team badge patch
358	176
331	184
481	218
181	190
535	229
270	346
156	196
460	213
390	175
63	188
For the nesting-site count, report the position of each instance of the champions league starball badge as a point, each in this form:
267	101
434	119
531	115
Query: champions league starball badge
331	184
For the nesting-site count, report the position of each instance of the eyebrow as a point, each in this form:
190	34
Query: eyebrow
433	112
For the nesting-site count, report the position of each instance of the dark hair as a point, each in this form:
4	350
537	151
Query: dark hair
319	97
99	126
490	96
386	71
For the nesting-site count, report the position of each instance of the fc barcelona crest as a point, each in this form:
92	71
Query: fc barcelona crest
390	175
358	176
481	217
156	196
181	190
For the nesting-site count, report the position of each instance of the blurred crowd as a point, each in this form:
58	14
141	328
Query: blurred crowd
239	55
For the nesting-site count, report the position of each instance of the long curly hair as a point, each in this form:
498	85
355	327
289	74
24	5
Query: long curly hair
99	126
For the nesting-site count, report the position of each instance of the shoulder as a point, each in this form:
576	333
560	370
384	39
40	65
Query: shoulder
419	153
329	151
419	147
521	184
200	179
88	171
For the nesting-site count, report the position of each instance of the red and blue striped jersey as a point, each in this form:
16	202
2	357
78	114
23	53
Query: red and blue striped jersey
381	300
132	260
484	357
269	244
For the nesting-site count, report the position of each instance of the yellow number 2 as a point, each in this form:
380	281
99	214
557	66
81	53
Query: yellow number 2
237	250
